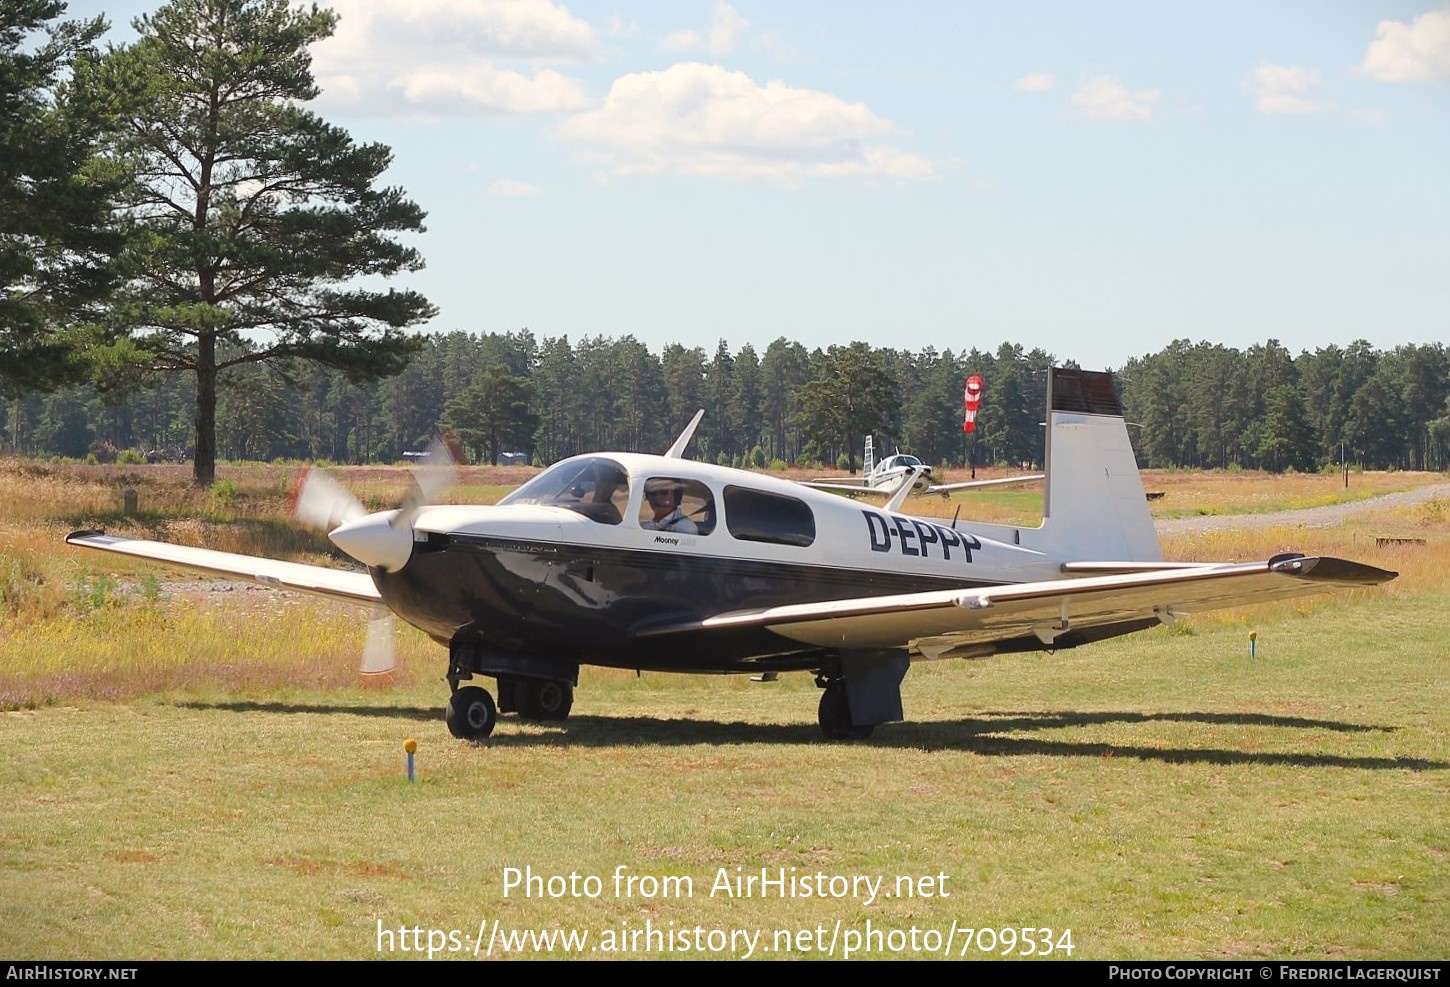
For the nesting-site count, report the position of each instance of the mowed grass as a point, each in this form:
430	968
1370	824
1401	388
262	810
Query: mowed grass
201	774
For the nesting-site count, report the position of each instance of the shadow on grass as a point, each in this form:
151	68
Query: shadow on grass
1020	720
396	712
977	735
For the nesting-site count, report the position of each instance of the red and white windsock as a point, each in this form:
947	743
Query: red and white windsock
971	401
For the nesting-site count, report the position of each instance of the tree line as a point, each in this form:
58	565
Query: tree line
1190	405
552	398
1207	405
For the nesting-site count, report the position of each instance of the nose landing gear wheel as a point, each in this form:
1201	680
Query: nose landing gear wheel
471	714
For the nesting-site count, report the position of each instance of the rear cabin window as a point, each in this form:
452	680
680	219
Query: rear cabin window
751	515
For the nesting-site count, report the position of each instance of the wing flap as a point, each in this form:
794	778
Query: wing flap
1046	609
334	583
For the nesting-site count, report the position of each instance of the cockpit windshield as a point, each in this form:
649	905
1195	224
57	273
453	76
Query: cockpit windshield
593	486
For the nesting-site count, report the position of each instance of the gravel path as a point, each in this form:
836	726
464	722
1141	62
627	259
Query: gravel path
1309	517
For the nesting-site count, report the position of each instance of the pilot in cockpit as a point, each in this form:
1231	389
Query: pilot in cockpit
663	495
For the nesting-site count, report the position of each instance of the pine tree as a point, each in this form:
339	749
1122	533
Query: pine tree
852	396
492	414
254	219
56	239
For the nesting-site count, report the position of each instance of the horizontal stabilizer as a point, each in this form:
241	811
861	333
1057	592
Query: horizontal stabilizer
942	488
862	486
841	483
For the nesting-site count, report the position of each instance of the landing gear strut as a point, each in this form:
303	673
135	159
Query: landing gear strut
835	714
544	690
860	688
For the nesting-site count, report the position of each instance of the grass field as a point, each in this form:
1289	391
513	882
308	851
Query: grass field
199	774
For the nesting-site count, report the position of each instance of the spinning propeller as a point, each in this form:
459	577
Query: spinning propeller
383	539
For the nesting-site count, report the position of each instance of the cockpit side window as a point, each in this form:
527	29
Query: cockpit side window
753	515
594	486
673	504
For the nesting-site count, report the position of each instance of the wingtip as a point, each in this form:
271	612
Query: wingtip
1328	569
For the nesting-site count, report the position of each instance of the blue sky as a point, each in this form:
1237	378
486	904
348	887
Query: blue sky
1091	179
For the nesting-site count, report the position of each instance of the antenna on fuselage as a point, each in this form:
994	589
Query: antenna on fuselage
677	451
956	514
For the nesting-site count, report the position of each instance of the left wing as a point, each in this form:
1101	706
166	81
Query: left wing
356	587
938	622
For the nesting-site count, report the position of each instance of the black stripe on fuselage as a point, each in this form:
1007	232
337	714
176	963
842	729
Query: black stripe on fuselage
583	601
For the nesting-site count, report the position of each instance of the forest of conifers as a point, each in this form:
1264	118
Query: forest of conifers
1191	405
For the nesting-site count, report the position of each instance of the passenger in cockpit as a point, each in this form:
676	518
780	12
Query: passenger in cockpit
663	496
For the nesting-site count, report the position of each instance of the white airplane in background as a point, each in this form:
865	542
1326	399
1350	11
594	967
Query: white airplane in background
580	566
887	477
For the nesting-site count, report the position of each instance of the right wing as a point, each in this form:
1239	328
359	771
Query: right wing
936	622
339	584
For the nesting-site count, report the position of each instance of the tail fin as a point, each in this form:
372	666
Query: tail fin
868	458
1094	508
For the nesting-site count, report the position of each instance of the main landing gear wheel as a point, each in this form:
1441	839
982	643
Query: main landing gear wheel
835	714
544	699
471	714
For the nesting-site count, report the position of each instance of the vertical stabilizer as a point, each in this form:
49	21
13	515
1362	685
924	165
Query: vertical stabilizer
868	458
1094	507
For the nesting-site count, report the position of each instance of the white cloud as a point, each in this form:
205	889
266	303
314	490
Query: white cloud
695	119
728	32
727	27
423	57
1284	89
1037	82
512	189
1104	98
1368	116
687	40
770	43
1418	52
485	89
618	27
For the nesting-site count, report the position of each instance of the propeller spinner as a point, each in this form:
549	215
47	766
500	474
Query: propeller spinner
383	539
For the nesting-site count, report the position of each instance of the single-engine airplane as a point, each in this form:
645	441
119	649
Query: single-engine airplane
887	477
662	563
